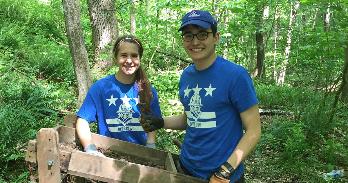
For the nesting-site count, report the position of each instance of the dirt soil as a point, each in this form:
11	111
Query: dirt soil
129	158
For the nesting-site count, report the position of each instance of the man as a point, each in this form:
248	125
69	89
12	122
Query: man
219	102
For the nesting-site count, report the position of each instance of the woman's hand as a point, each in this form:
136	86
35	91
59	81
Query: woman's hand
151	123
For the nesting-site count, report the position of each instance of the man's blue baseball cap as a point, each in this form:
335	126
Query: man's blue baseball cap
200	18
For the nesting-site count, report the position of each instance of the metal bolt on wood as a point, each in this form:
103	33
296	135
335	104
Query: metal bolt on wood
50	163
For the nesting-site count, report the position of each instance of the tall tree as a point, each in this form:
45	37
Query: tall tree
281	75
262	13
326	18
225	20
275	38
345	77
104	33
77	47
132	13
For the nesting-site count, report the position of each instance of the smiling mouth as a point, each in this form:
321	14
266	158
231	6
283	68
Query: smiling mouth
128	68
196	49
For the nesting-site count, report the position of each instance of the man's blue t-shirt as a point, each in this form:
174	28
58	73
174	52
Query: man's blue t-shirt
114	106
213	100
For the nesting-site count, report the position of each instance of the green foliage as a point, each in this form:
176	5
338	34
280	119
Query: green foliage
306	143
37	39
333	152
37	79
15	120
27	104
164	140
167	84
274	97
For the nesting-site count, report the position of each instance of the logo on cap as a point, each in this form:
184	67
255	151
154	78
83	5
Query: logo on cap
194	14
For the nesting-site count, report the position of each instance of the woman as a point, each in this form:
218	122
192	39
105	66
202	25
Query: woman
117	101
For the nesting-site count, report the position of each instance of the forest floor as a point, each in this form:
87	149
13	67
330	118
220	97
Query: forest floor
263	166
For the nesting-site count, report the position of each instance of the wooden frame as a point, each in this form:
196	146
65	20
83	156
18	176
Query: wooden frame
52	159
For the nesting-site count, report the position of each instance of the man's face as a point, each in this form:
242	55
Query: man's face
199	43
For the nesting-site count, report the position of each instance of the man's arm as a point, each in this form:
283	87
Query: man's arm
252	126
178	122
151	123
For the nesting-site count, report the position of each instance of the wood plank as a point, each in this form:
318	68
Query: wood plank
70	120
30	155
140	152
122	147
169	165
177	163
112	170
68	135
64	157
48	156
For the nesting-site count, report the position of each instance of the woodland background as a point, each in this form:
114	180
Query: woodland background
296	51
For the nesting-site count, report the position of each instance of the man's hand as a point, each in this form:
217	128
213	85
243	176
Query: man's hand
223	174
217	179
151	123
92	149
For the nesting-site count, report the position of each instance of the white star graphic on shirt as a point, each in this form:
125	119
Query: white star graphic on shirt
136	101
196	90
125	100
187	91
112	100
209	91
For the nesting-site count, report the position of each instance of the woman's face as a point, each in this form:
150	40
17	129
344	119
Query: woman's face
128	58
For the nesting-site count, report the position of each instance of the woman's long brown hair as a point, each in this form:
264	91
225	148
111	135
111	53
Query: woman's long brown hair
144	88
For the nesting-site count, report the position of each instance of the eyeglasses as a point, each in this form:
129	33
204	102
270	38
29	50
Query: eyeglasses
200	36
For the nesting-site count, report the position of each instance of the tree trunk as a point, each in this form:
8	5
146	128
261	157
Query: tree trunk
260	45
132	12
345	78
226	20
282	72
77	47
275	47
326	19
260	54
315	15
104	33
213	6
158	11
147	4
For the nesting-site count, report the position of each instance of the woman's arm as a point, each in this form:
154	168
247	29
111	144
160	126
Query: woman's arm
84	132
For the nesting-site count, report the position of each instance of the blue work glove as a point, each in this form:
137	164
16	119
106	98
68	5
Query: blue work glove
151	145
151	123
92	149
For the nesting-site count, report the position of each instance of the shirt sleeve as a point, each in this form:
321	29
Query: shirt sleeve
88	109
242	92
